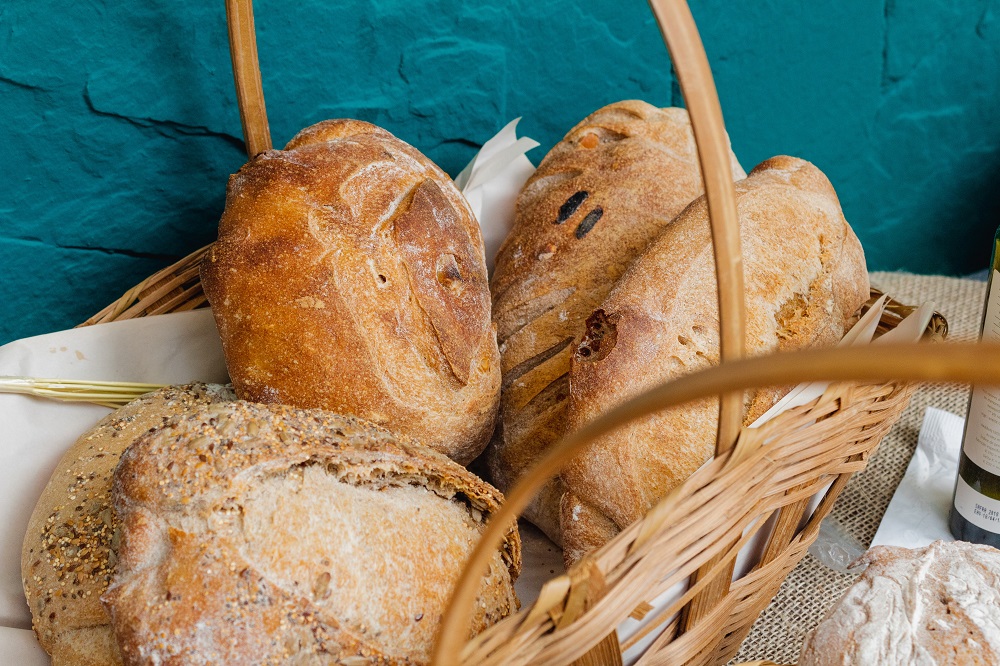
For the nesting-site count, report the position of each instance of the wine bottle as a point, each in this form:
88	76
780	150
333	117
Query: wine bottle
975	512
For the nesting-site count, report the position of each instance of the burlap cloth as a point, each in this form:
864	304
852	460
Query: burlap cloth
812	588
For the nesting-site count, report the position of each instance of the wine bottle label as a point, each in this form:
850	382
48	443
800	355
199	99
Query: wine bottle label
982	433
978	509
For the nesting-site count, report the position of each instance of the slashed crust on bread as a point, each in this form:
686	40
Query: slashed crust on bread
936	605
349	275
595	202
805	279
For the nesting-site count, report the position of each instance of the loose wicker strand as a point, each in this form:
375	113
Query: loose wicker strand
246	72
979	363
148	297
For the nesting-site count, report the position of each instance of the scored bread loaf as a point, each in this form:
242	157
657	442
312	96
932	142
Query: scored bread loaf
597	199
805	279
266	534
70	546
938	605
349	275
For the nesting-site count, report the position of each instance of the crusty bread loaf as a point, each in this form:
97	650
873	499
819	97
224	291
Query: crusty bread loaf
349	275
266	534
938	605
597	199
70	547
805	280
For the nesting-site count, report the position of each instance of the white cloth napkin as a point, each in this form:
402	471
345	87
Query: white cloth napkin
169	349
491	182
918	512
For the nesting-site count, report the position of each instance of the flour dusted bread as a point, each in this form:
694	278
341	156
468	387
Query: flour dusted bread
805	279
938	606
266	534
349	275
70	546
597	199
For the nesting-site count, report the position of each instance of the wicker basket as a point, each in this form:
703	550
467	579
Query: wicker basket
695	532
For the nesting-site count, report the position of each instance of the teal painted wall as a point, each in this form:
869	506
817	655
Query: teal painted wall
120	124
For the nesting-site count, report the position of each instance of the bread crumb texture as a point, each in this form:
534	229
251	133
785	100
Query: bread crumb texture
268	534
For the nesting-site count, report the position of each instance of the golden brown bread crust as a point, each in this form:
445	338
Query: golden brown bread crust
595	202
805	279
267	534
70	546
349	275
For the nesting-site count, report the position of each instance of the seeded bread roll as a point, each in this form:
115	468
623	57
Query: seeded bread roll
805	279
595	202
266	534
70	547
349	275
938	605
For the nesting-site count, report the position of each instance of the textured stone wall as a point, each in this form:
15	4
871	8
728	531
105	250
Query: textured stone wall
120	124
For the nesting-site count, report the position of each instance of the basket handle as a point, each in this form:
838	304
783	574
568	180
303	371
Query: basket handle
966	363
698	87
246	73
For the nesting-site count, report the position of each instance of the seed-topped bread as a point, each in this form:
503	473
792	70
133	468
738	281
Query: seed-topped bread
268	534
70	546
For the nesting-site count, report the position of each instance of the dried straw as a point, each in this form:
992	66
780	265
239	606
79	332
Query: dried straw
107	394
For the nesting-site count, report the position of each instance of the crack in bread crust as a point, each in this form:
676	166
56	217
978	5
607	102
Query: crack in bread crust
266	533
610	186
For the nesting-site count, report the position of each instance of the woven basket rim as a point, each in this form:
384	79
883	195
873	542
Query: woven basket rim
712	626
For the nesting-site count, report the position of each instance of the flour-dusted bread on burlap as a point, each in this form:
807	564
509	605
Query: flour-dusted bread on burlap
805	279
349	275
938	605
597	199
266	534
70	546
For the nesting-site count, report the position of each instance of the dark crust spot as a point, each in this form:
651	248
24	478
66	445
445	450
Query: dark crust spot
589	221
600	338
567	209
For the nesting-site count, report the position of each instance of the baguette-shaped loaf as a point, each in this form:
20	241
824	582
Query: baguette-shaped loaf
805	277
71	544
266	534
597	199
349	275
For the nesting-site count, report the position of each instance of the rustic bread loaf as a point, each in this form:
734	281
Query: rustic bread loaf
349	275
938	605
597	199
70	547
266	534
805	280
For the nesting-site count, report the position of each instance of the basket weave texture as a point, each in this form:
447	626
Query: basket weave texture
699	528
803	450
812	588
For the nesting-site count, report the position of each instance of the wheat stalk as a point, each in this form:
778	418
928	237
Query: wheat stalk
107	394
